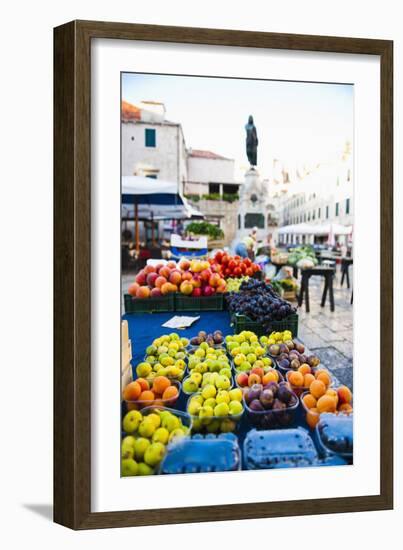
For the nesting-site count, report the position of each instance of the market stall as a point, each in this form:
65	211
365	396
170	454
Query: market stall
203	398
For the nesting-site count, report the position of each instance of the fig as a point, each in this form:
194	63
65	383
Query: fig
295	364
254	392
273	387
255	405
284	348
278	405
299	347
284	394
266	398
274	349
284	364
283	356
313	361
290	344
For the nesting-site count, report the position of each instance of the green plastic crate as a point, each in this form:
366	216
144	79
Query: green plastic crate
242	322
149	305
204	303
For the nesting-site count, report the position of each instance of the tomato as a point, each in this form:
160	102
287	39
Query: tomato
243	268
249	272
225	259
232	265
237	272
247	262
237	258
218	257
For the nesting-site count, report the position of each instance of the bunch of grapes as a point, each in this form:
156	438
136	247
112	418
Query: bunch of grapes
258	301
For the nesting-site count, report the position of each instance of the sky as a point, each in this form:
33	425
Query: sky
298	123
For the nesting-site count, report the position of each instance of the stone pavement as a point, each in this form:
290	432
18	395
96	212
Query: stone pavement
330	334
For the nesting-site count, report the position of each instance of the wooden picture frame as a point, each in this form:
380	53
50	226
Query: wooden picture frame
72	273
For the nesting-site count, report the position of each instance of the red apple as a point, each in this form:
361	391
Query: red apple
158	267
165	272
214	280
133	288
197	292
208	291
166	288
196	281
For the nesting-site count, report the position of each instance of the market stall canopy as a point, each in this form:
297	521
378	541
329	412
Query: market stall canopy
318	229
155	199
297	229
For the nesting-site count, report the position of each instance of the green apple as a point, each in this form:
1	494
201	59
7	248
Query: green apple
235	408
128	446
129	467
235	394
146	428
190	386
223	382
222	397
140	448
209	391
161	435
154	454
221	409
131	421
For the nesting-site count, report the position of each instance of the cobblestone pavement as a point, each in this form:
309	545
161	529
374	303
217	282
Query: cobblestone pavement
329	334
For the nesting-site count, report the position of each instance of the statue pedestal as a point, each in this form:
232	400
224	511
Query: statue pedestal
252	209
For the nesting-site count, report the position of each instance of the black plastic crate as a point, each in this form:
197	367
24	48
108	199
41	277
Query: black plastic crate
202	303
242	322
149	305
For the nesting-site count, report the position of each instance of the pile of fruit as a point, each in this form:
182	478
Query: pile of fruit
277	400
291	355
166	356
191	278
144	446
301	379
276	337
197	381
233	285
234	266
159	391
215	410
258	376
207	359
211	339
302	253
320	399
246	351
259	302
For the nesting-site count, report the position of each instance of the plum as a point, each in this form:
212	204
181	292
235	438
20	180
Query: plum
284	394
284	364
279	405
273	387
255	405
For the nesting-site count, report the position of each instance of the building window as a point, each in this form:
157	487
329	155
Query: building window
304	217
151	176
347	206
318	213
313	214
214	188
309	216
251	220
337	209
327	212
150	137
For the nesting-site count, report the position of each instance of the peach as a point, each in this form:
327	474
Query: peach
165	272
308	379
253	379
326	403
133	288
132	391
258	370
324	376
159	281
143	292
222	288
304	368
271	376
187	276
205	275
141	278
160	384
146	395
184	265
151	278
196	281
296	379
175	277
143	384
156	292
166	288
170	393
171	265
149	269
242	379
214	280
309	401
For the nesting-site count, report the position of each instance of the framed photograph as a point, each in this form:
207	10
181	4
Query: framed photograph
223	274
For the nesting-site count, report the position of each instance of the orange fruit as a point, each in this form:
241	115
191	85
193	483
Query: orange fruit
344	394
324	376
326	403
296	378
317	388
160	384
308	379
304	368
309	401
312	417
147	395
143	383
170	393
132	391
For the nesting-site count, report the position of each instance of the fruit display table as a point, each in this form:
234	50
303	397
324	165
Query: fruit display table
144	327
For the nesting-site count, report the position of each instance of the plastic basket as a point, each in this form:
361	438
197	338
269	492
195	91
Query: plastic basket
149	305
242	322
202	303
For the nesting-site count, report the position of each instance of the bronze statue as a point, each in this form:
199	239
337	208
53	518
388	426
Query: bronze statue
251	141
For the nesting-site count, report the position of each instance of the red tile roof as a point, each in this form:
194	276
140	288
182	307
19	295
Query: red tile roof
130	112
199	153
